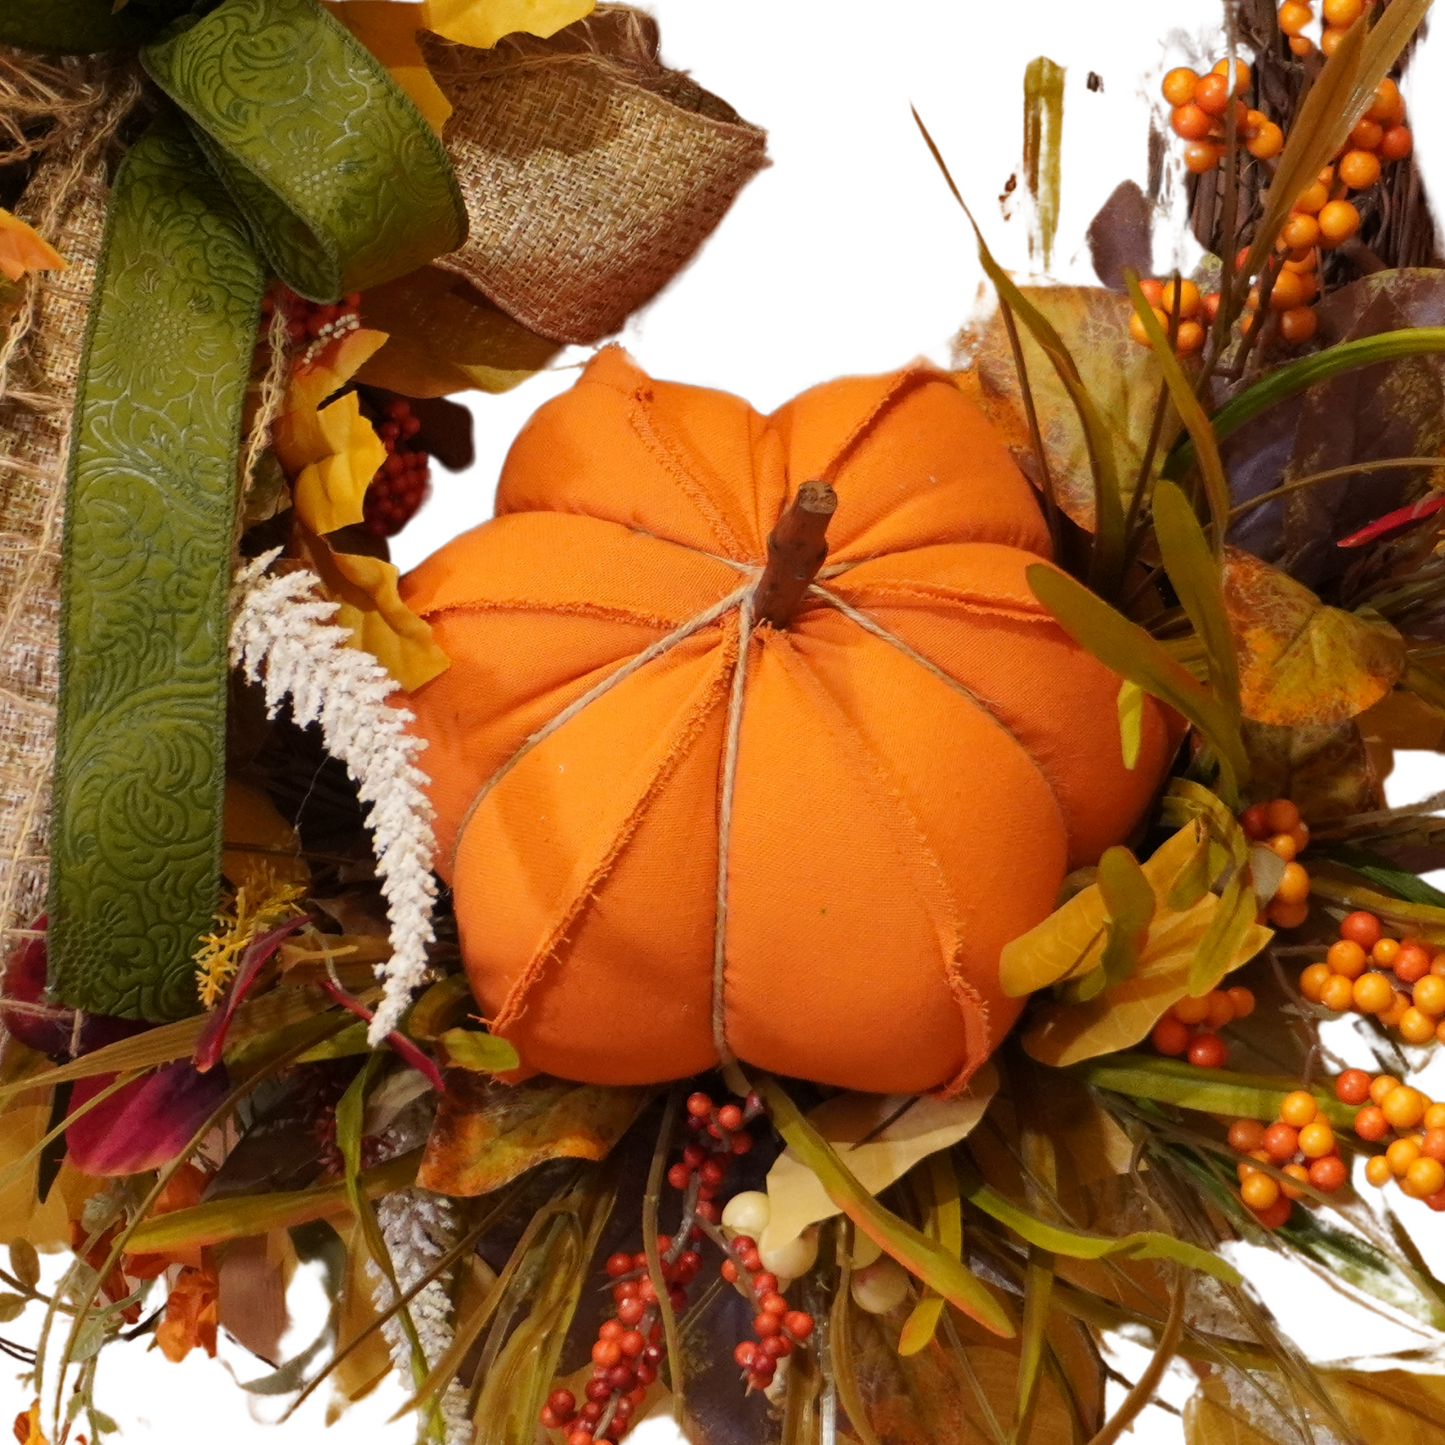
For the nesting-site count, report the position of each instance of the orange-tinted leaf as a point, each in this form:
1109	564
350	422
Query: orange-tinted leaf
388	29
481	23
372	610
251	818
447	337
22	249
300	436
1326	771
1302	663
487	1133
1122	377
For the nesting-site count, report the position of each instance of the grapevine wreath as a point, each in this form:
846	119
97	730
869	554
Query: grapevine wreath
967	783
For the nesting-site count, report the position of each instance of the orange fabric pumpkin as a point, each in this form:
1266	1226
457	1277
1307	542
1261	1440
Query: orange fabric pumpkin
913	775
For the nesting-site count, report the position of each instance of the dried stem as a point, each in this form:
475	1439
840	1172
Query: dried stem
796	550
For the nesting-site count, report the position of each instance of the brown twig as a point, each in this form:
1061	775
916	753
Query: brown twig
797	548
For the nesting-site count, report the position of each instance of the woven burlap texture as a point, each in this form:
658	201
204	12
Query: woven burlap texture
591	173
40	350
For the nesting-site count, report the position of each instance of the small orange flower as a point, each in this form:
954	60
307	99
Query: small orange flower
192	1309
27	1426
23	249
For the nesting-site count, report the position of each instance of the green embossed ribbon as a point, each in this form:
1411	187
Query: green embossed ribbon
150	511
292	150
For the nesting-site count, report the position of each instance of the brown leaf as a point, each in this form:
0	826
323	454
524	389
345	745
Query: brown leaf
1302	663
253	1293
1388	1405
447	337
487	1133
1326	771
1121	235
1122	377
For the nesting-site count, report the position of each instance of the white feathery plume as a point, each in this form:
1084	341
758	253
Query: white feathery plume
281	633
418	1227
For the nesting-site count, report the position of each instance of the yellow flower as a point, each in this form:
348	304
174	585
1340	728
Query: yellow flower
23	249
241	916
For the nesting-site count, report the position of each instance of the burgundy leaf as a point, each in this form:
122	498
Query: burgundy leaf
145	1124
1400	517
212	1042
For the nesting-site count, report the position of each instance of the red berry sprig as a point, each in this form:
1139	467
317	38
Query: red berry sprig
1191	1027
403	481
311	324
629	1347
777	1327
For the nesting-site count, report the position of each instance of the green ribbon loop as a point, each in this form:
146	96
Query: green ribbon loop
145	574
343	182
290	142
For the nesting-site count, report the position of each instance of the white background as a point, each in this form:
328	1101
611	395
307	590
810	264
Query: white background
847	255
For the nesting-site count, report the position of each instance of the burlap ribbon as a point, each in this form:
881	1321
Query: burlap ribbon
592	174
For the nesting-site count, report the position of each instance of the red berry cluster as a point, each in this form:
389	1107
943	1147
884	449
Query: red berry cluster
309	322
403	481
629	1345
777	1327
1191	1026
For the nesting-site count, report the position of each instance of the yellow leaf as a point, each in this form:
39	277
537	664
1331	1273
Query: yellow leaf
388	29
796	1194
1302	663
1064	1034
329	493
447	337
22	1127
30	1421
372	610
252	818
1131	722
1070	941
24	249
300	437
481	23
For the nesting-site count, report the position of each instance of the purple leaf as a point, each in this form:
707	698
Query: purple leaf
145	1124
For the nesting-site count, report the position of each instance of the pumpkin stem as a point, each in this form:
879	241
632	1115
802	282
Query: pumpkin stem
797	548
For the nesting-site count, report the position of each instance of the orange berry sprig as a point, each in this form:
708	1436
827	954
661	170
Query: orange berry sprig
1277	825
1300	1143
1195	312
1356	976
1192	1026
1415	1157
1198	108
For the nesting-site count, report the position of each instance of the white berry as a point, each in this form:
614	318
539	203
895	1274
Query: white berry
880	1287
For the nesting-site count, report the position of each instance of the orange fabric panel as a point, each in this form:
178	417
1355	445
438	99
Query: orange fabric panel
898	815
1060	702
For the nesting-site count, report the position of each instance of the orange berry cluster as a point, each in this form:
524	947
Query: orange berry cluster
1300	1144
1192	1026
1277	826
1323	218
1415	1157
1181	298
1339	15
1356	976
1199	105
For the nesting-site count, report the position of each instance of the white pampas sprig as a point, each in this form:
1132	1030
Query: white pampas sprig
281	633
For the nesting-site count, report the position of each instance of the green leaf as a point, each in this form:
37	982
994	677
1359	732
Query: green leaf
1369	864
917	1253
943	1221
1131	722
1216	486
1210	1091
1186	800
1195	574
479	1052
1129	906
1192	881
1106	563
1074	1244
1218	949
220	1220
1128	650
1294	377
